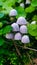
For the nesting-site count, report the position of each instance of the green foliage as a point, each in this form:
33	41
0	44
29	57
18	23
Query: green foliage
1	42
5	30
34	18
32	29
1	24
34	3
1	15
21	12
7	5
30	9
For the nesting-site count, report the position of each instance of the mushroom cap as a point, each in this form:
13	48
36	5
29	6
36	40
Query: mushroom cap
22	5
25	39
28	2
15	27
23	29
13	12
9	36
17	36
21	21
33	22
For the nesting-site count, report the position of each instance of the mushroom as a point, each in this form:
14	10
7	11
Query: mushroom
17	36
13	12
33	22
23	29
15	27
28	2
22	5
9	36
21	21
25	39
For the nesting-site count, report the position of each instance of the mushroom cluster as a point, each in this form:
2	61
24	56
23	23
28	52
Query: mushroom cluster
20	30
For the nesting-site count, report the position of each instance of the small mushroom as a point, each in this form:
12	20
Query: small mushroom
22	5
33	22
23	29
28	1
9	36
13	12
15	27
17	36
25	39
21	21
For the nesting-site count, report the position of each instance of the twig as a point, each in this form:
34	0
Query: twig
19	53
31	61
28	48
17	49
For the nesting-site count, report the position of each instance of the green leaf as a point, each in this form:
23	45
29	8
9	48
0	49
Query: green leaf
1	15
1	24
7	6
1	32
2	51
1	63
1	41
1	3
36	38
21	12
32	29
34	18
18	1
8	3
5	30
29	9
34	3
4	21
7	10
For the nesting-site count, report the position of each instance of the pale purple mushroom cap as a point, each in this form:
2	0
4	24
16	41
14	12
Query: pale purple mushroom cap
21	21
9	36
17	36
13	12
25	39
15	27
23	29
